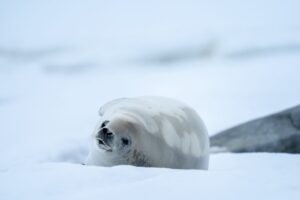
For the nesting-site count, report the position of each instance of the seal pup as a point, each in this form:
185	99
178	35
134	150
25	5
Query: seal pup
150	132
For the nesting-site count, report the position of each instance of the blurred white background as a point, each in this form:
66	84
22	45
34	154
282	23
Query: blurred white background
60	60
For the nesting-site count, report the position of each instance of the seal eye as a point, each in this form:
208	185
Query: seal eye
125	141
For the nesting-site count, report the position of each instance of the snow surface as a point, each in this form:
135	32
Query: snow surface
61	60
232	176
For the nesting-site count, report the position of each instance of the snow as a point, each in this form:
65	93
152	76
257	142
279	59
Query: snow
231	176
60	61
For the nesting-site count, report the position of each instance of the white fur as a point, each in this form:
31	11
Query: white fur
175	123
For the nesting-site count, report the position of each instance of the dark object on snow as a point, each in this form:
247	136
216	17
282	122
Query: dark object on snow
278	132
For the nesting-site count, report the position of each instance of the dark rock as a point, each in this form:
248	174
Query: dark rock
278	132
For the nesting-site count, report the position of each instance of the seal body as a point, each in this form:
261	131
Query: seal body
149	131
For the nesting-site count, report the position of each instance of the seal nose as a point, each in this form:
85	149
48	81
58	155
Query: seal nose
104	139
105	135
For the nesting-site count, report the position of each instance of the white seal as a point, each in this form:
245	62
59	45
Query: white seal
149	131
